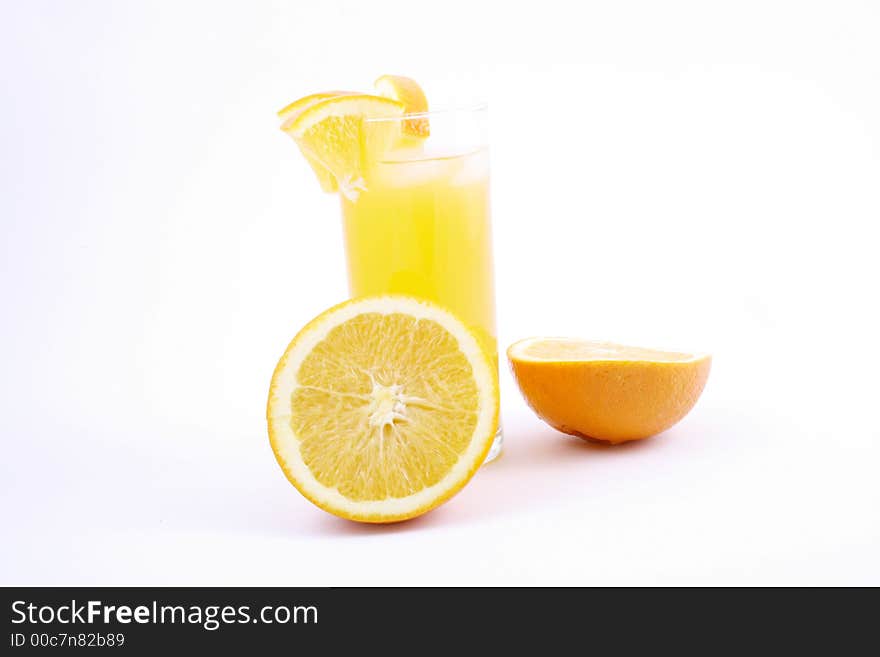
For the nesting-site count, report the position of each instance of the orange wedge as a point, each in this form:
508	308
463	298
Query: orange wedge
294	109
604	391
407	91
335	132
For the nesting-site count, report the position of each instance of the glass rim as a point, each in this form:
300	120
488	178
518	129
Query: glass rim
471	108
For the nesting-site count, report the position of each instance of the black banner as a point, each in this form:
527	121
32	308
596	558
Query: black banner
408	621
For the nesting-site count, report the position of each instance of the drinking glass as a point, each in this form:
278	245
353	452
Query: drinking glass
420	225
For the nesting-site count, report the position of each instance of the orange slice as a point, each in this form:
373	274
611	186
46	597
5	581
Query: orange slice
604	391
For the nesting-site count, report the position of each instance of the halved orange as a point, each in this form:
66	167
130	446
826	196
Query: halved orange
382	408
604	391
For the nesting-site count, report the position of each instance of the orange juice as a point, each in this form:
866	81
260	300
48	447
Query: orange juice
421	227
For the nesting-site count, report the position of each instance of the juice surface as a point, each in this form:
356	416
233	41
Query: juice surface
422	228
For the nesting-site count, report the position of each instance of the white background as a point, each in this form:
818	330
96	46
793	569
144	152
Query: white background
701	175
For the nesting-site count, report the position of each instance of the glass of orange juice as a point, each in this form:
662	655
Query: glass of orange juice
420	225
